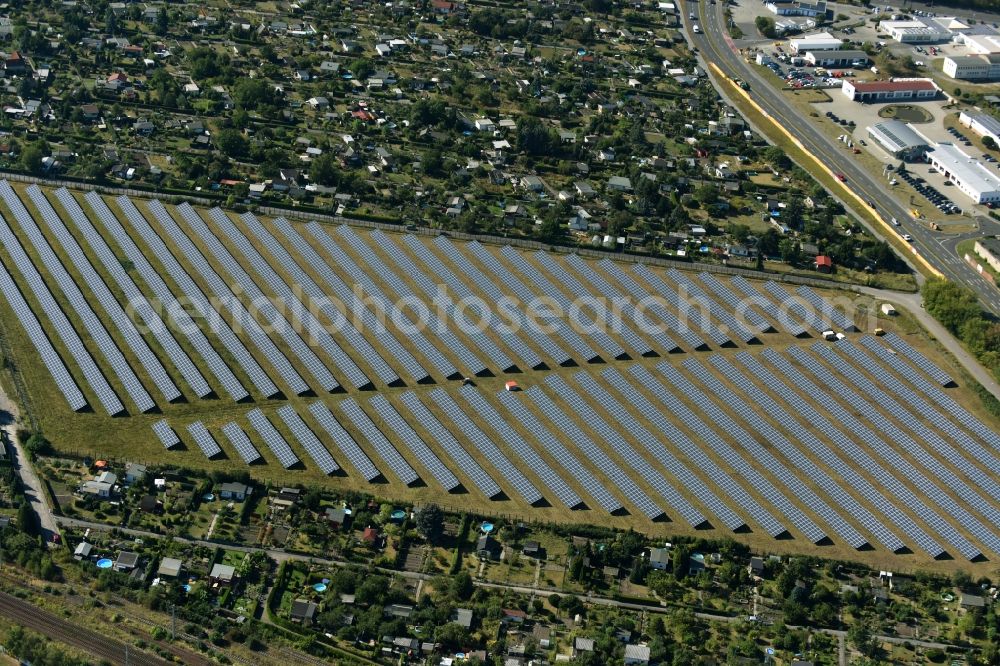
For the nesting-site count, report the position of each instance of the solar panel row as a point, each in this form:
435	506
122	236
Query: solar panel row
450	445
485	446
374	294
702	299
510	279
307	439
784	318
468	300
398	425
456	316
590	327
168	301
931	390
291	303
204	439
659	451
942	472
223	296
825	309
918	359
382	446
696	454
319	299
473	365
568	430
602	312
265	309
914	532
60	373
133	297
70	338
496	298
791	453
78	303
917	405
272	438
566	460
133	339
737	305
641	294
788	304
166	434
528	456
687	310
710	410
241	442
343	440
614	441
854	454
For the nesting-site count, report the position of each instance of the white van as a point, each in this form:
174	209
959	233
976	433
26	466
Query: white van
696	29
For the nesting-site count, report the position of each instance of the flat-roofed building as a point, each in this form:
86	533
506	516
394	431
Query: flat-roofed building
892	90
797	7
837	58
920	31
973	67
899	139
982	124
968	175
821	41
989	250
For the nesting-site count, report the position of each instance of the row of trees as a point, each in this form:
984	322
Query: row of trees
958	309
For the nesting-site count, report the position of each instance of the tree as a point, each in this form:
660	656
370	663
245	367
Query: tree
31	158
765	26
324	170
430	522
162	22
533	137
231	142
989	143
862	637
461	586
950	303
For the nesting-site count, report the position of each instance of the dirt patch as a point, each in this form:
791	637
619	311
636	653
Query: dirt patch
907	113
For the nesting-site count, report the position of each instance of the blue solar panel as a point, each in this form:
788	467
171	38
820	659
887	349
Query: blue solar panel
382	446
192	293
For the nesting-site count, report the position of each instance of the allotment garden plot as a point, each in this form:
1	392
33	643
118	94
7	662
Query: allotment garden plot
425	369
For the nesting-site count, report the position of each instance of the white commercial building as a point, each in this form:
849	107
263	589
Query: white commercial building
966	173
982	124
980	44
920	31
901	140
973	68
797	8
890	91
822	41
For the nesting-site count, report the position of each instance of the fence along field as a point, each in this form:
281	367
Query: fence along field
749	426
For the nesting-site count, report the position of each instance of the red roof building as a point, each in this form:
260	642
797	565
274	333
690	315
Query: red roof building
824	264
894	89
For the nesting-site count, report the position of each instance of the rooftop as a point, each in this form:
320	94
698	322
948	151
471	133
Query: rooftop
897	135
965	169
893	86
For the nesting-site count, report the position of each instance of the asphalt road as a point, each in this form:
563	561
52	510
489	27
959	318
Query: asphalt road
715	45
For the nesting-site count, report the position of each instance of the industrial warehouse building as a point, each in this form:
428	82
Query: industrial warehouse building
797	8
973	67
982	124
838	58
822	41
923	30
890	91
966	173
899	139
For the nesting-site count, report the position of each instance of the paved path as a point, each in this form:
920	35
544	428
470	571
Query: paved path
33	489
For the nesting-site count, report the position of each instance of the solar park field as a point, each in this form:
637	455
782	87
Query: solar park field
752	426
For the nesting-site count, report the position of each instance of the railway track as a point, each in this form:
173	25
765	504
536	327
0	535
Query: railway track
53	627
